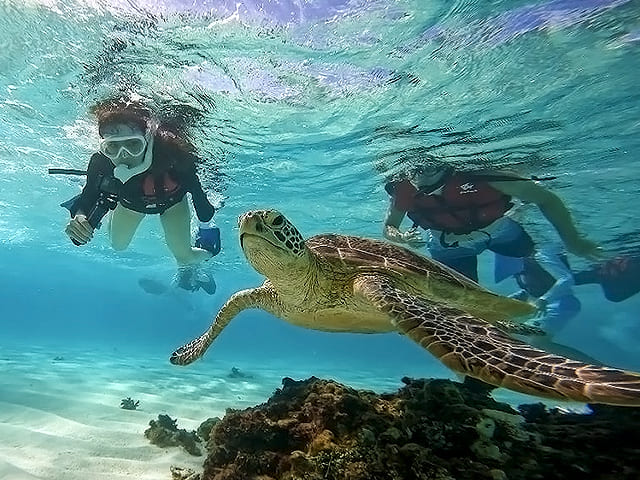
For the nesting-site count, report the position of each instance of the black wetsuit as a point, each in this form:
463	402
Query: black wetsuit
151	191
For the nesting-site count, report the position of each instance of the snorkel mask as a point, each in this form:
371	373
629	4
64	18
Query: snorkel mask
114	146
117	147
436	174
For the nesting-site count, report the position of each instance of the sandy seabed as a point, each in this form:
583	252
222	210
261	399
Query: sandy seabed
60	415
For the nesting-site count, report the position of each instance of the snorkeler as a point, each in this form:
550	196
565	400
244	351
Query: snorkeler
144	169
467	212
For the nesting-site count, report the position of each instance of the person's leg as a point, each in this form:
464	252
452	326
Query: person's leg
547	344
554	319
176	222
123	224
462	260
511	240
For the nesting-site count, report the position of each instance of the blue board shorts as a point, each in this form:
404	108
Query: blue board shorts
460	252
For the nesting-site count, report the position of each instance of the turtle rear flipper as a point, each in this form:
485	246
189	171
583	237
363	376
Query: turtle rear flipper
471	346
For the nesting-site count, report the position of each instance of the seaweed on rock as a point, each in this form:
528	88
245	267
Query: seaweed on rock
164	432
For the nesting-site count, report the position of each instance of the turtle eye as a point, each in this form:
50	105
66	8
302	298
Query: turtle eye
279	220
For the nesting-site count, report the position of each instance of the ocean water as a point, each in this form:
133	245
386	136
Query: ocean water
303	106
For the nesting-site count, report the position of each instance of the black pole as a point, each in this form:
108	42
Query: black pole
67	171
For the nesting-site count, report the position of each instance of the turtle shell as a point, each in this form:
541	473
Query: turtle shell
426	277
384	256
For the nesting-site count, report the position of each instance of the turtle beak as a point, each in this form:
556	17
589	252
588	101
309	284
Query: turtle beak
242	218
249	224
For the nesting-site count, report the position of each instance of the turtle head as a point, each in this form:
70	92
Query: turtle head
271	243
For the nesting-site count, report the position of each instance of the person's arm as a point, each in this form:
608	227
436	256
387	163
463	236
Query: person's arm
79	229
392	223
208	236
391	230
395	215
98	167
554	210
203	207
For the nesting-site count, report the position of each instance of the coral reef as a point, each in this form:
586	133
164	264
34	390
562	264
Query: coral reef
129	404
430	429
164	432
205	427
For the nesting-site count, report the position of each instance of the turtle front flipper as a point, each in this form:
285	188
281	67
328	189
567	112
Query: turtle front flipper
263	297
471	346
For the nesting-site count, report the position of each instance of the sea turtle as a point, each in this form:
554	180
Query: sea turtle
351	284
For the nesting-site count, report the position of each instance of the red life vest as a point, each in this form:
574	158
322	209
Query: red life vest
159	192
153	192
466	203
157	187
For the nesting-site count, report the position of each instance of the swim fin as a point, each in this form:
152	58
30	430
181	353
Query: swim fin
620	278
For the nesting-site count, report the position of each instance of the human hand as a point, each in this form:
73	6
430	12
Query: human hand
585	248
541	307
413	238
521	295
79	230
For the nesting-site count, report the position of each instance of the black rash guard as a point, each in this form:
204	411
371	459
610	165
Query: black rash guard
139	192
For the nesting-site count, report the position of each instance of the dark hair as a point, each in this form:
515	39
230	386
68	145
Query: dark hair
427	168
121	110
410	172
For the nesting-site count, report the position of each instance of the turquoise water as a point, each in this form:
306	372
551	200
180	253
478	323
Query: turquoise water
305	112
